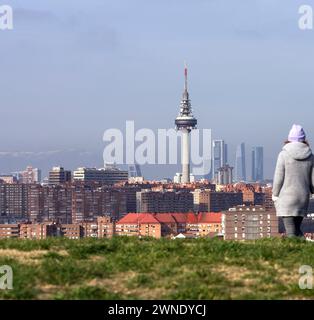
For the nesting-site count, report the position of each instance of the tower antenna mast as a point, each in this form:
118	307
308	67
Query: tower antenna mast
185	77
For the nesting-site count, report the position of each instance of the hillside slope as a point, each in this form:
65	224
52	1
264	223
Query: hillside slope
131	268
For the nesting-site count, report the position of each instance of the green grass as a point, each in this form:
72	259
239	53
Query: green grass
132	268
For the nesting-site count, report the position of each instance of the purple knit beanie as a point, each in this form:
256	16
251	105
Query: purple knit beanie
296	134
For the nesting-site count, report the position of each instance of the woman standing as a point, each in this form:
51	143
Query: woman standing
294	181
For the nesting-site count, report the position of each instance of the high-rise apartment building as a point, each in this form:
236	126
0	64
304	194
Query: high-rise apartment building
249	223
209	201
35	202
257	164
89	202
110	175
240	165
57	203
164	201
13	200
59	176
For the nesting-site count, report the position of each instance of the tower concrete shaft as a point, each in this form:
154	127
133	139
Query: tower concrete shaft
185	156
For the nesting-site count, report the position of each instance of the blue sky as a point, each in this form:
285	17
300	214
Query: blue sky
72	69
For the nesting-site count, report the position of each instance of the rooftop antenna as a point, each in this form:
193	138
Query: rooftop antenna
185	77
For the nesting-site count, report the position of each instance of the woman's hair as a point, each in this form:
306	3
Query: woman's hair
305	141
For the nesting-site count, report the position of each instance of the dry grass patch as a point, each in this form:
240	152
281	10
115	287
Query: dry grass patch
119	284
47	291
287	275
235	273
25	257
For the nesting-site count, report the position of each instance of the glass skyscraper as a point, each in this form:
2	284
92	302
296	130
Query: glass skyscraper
240	166
219	155
257	164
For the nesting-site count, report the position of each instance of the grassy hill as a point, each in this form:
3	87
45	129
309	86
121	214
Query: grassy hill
131	268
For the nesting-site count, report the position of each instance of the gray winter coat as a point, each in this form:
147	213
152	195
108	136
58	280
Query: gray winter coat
294	179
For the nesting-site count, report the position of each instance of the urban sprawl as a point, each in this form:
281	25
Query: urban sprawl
111	202
91	202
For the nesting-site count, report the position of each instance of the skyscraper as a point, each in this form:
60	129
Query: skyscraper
257	164
134	170
219	156
58	176
224	175
226	153
185	122
240	167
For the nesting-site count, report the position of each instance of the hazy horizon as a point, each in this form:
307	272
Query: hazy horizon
71	72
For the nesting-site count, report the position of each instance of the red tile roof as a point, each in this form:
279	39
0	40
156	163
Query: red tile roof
209	217
165	217
191	218
149	218
180	217
136	218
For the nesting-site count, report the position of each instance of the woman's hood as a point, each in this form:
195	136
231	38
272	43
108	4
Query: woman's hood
298	150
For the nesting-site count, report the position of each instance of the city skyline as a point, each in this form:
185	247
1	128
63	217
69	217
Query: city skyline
219	162
110	64
155	151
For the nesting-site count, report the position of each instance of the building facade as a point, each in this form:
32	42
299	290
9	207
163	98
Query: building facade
164	201
209	201
249	223
109	176
224	175
30	175
59	176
